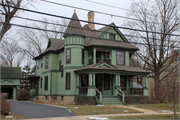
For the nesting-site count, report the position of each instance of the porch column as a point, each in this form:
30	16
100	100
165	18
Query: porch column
119	83
115	92
91	90
77	84
94	56
127	82
14	92
145	89
90	79
93	83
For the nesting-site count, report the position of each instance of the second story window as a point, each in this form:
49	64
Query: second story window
82	56
112	36
37	64
42	63
47	62
120	58
61	68
68	56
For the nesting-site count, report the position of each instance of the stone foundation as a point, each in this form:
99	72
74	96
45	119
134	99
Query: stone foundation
57	99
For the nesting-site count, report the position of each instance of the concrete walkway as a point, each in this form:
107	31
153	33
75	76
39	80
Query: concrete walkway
138	109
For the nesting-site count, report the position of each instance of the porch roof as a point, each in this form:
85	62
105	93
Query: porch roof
114	68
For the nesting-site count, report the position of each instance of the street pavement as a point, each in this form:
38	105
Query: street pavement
34	110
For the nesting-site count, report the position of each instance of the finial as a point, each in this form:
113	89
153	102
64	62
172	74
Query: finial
74	10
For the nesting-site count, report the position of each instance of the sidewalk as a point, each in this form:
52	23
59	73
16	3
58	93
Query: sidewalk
87	116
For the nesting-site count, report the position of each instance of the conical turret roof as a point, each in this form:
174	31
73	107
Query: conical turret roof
74	26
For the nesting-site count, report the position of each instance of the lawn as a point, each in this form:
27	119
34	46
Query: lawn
15	116
97	110
150	117
155	107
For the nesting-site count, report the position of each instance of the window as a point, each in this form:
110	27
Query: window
82	56
68	56
61	68
123	82
41	82
37	64
120	58
112	36
46	62
42	63
46	83
68	77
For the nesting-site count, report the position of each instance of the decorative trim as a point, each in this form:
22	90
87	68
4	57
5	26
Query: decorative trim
54	95
72	67
49	71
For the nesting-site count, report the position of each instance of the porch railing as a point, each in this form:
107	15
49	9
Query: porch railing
33	94
137	91
98	95
99	60
83	90
120	94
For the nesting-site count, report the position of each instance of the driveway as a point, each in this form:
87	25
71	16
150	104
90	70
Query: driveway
34	110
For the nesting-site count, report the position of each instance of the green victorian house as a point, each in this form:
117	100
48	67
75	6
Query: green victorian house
89	63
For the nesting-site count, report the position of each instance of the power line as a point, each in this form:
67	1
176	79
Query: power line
89	21
96	11
82	28
120	8
80	35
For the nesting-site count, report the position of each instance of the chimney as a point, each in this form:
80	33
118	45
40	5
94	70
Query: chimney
172	48
91	19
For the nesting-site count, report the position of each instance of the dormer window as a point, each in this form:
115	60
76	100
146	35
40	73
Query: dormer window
112	36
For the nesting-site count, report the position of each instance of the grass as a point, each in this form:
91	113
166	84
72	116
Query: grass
15	116
155	107
150	117
97	110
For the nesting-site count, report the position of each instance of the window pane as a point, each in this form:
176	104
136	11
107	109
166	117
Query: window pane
112	37
46	62
68	56
46	83
120	58
67	81
37	64
41	62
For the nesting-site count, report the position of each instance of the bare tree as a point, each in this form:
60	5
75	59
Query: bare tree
11	54
35	41
157	16
8	13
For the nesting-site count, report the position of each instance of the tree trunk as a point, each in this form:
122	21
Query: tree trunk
157	89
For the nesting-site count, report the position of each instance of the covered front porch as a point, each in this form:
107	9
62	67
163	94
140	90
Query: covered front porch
108	82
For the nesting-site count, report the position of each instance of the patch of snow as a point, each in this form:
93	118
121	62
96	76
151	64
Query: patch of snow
125	110
99	105
164	111
98	118
75	107
69	110
9	116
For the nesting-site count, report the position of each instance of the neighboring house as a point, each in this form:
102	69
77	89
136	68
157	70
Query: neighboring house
95	66
10	81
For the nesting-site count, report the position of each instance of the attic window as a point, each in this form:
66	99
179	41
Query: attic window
112	36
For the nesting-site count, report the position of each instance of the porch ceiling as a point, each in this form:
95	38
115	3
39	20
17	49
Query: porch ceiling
115	69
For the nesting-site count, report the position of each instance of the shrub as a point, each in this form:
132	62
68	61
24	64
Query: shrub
5	106
129	100
142	100
23	95
90	101
79	100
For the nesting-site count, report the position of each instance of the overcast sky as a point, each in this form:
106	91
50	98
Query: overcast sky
68	12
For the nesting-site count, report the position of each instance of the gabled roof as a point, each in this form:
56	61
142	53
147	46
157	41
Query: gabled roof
74	26
11	73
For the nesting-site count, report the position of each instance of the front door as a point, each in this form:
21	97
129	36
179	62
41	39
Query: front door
107	84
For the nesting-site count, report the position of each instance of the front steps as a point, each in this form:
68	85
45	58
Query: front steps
112	100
